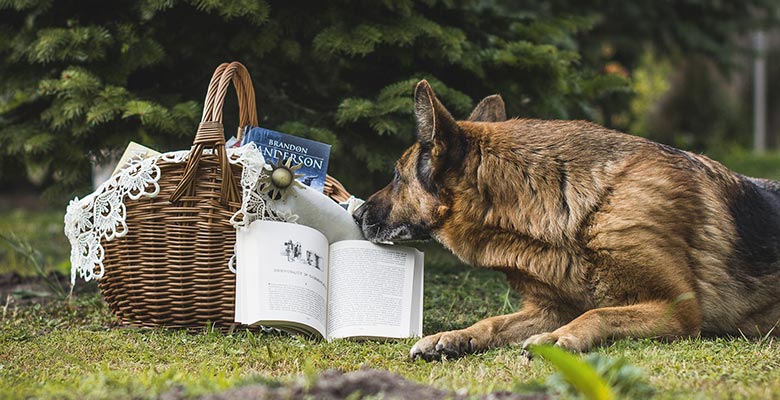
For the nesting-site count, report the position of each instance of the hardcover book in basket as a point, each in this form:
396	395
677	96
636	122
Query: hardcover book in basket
161	232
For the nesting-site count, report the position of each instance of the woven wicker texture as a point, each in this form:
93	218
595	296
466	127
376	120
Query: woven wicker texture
171	268
335	190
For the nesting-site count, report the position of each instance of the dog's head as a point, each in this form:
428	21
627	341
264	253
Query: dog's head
410	207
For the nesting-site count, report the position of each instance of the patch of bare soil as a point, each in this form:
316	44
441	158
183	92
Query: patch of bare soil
333	385
26	290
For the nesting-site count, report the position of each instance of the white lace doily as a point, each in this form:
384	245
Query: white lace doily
101	215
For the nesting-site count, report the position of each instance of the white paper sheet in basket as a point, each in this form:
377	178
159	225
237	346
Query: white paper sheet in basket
320	212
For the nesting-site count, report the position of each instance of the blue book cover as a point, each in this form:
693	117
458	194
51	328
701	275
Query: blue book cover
278	146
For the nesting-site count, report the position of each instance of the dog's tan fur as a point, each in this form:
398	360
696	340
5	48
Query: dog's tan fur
606	235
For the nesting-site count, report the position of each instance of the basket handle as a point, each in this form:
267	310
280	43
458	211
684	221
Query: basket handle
211	133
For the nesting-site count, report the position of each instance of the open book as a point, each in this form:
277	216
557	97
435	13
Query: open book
289	277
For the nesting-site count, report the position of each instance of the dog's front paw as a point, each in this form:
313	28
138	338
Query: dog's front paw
565	341
450	344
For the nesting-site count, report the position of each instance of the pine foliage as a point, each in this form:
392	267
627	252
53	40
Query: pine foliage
79	79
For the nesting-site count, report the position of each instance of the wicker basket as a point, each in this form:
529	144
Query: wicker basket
170	270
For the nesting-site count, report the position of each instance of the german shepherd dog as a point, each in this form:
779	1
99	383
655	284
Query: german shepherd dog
606	235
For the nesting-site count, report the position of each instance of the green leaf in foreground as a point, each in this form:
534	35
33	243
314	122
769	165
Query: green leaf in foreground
577	372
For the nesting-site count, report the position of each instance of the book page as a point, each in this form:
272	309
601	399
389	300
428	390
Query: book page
370	290
416	322
133	151
281	275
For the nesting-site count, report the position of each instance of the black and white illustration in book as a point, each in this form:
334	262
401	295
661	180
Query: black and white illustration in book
295	253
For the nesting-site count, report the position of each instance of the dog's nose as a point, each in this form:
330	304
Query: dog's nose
359	213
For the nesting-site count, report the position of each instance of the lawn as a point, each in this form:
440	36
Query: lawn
74	348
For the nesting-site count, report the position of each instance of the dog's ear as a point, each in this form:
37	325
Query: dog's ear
438	134
435	125
490	109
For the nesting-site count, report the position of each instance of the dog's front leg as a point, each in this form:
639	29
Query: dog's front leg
488	333
666	319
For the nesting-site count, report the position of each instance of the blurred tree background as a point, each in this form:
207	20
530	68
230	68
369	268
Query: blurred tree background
80	78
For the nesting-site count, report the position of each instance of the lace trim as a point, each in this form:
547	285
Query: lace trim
101	215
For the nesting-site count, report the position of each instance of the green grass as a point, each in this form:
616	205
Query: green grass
44	231
73	349
765	165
